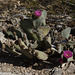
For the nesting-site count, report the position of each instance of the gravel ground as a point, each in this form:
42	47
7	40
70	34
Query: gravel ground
10	65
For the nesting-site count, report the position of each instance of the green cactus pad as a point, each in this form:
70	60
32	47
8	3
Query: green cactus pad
27	26
43	31
12	50
8	33
44	15
18	32
41	20
41	55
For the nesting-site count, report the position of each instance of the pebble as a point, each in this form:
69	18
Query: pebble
58	72
22	70
71	68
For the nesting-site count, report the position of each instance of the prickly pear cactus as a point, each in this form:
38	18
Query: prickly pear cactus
32	27
27	27
28	31
33	40
40	20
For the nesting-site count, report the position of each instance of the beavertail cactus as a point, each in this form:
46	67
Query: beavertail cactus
22	43
29	26
41	20
66	32
34	40
26	52
25	39
41	55
12	50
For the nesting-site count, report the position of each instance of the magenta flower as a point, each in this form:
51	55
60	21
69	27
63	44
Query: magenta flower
67	54
38	13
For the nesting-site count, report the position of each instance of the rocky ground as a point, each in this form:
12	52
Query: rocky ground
10	65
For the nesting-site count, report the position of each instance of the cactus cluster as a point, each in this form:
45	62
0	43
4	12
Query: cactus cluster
31	39
20	44
27	39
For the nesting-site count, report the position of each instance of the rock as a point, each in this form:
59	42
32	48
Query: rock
22	70
26	73
29	69
2	38
11	65
4	68
58	72
0	69
4	64
63	65
46	72
36	73
0	23
71	68
68	17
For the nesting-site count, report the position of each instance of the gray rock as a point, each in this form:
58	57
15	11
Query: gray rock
22	70
58	72
71	68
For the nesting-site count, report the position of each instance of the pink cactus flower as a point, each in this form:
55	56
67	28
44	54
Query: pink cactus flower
67	54
38	13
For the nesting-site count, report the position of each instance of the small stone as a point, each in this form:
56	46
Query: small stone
11	65
36	64
71	68
22	70
28	70
36	73
4	64
4	68
63	65
39	73
46	72
58	72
